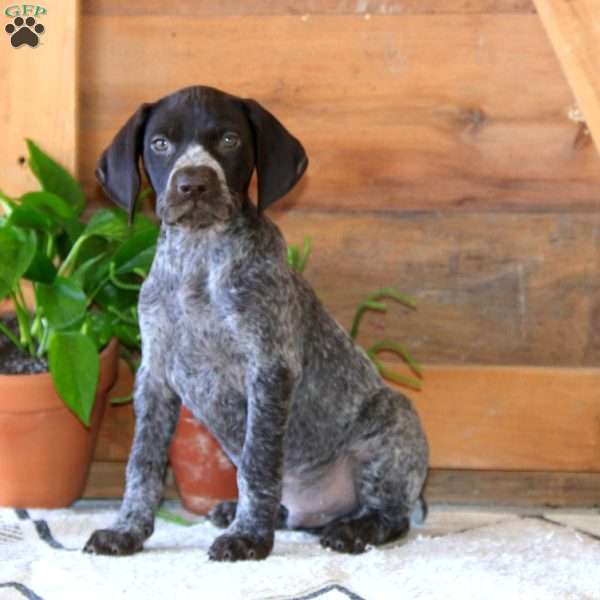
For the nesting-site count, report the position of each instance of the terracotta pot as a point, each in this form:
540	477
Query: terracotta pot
203	473
45	451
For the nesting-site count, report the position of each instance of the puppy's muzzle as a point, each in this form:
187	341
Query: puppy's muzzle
196	197
191	183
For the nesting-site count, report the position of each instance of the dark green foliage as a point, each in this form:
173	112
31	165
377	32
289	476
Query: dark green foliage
85	275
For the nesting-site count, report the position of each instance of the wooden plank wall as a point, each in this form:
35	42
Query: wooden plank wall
443	159
39	94
444	162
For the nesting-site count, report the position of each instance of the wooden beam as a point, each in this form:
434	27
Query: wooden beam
39	95
573	29
511	418
513	488
444	486
212	8
495	418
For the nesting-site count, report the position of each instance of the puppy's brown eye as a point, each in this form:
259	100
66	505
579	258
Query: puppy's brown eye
230	140
160	144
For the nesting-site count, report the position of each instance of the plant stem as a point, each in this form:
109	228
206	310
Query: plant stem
392	346
64	268
23	319
50	247
93	293
121	284
11	336
125	318
43	345
365	305
305	254
391	375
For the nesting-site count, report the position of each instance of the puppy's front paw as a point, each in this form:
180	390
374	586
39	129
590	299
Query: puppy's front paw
113	542
231	547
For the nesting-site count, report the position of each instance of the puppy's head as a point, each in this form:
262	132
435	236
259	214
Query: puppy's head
199	148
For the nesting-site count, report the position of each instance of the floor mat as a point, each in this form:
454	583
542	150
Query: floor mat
481	555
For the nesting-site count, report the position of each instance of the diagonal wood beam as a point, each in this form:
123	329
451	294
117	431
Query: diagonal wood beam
573	27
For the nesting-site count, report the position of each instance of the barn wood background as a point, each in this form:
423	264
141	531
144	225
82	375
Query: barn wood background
445	163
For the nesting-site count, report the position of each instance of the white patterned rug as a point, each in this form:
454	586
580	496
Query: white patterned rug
502	556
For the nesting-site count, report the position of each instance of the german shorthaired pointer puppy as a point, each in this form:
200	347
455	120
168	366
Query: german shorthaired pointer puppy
229	330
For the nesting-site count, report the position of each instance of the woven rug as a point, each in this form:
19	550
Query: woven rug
516	557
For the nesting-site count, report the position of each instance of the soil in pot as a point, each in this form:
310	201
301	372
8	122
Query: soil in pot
13	361
45	451
203	473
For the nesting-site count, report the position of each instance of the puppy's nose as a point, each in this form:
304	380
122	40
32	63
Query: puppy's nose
190	183
194	181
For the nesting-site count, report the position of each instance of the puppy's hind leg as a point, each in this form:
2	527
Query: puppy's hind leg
391	456
156	413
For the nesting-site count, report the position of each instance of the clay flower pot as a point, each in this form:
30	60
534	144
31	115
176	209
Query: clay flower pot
203	473
45	451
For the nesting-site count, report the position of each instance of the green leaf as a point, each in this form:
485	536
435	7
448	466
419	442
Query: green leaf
93	248
75	366
293	257
171	517
128	334
51	204
99	327
140	262
110	296
63	302
142	223
41	268
23	215
73	230
7	203
89	270
108	223
137	252
54	178
17	249
305	254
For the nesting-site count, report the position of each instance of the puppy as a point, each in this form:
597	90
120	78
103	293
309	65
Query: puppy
229	330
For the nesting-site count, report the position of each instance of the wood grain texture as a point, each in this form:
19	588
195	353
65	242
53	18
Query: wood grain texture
526	489
39	96
509	488
193	8
398	113
574	30
490	288
496	418
512	418
107	480
116	431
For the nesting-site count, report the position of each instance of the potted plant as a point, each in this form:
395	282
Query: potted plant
71	289
203	473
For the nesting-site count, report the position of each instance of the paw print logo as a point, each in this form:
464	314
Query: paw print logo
24	31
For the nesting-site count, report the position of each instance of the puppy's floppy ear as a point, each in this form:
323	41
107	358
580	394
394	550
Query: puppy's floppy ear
118	169
280	157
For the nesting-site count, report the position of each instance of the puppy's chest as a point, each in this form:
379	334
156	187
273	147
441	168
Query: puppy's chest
196	339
